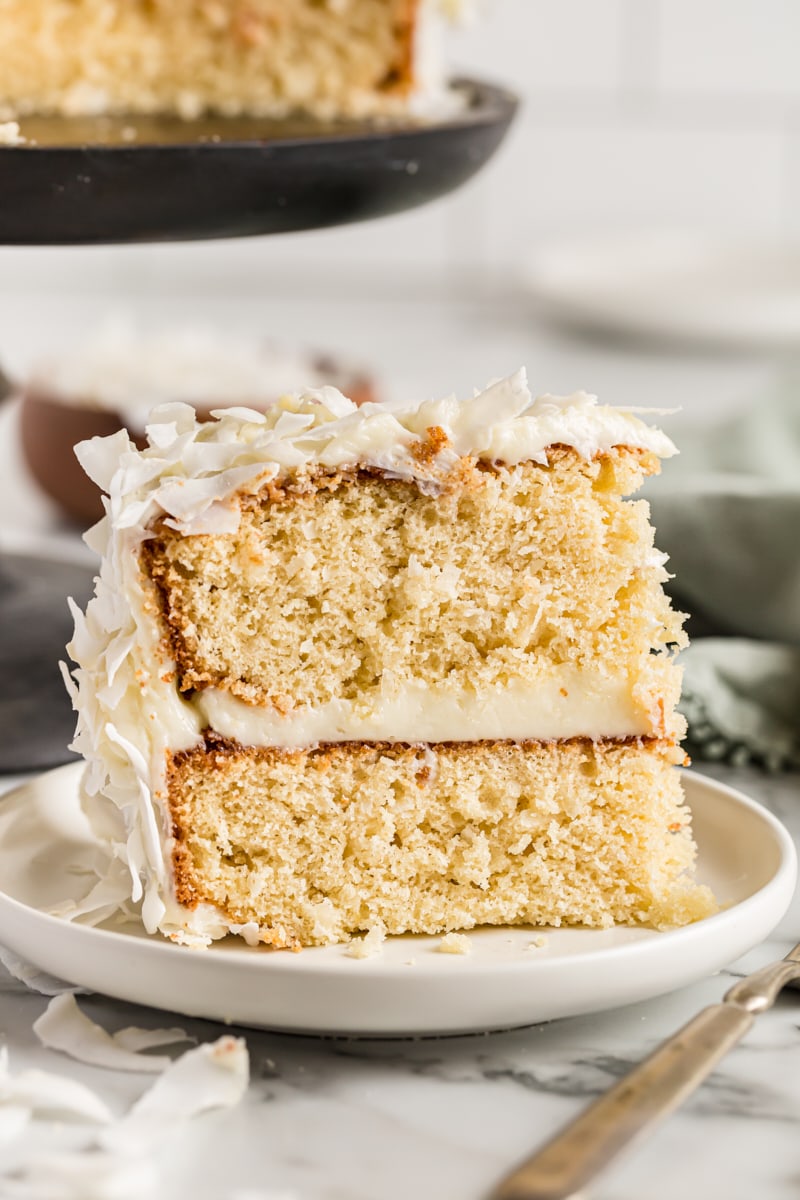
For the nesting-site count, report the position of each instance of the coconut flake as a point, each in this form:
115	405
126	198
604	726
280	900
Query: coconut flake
33	978
214	1075
64	1027
105	899
43	1094
13	1119
250	931
100	457
117	1161
81	1176
135	1039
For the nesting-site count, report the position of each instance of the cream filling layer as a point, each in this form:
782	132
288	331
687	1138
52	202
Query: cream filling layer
569	703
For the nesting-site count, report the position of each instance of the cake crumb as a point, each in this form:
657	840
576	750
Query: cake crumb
369	946
454	943
538	942
10	134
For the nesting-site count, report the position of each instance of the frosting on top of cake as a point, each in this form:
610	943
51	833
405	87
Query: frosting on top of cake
192	471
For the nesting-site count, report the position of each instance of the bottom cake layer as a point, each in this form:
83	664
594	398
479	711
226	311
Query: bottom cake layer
312	846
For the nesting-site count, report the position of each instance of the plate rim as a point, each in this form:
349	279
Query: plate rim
254	960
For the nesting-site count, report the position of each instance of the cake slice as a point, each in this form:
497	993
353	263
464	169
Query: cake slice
266	57
395	667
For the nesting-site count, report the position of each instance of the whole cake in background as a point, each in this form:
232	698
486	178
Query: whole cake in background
394	668
188	57
114	378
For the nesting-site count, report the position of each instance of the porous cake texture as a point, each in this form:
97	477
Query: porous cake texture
406	668
359	586
352	836
271	57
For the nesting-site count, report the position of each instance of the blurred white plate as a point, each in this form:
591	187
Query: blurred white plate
45	845
673	286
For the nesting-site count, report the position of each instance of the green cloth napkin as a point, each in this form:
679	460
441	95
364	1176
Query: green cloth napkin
727	511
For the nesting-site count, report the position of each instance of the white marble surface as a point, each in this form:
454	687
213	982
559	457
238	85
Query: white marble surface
445	1118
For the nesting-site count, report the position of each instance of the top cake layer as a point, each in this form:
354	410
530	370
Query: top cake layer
190	470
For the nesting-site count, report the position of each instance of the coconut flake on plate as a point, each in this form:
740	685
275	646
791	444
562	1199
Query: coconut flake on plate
62	1026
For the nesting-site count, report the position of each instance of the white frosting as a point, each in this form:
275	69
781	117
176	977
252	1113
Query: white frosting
130	714
569	703
191	471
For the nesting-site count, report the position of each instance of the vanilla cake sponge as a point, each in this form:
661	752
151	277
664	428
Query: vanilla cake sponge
346	837
266	57
353	593
401	667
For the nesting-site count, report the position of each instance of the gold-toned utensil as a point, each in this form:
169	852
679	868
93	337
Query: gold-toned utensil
576	1156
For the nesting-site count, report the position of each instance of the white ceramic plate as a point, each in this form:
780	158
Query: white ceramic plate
746	856
678	287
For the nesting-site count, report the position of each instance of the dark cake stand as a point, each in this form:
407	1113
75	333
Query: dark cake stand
151	179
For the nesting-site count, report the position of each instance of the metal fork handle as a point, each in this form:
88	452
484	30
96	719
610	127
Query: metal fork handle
648	1094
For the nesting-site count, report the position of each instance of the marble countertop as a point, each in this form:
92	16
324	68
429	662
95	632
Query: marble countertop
335	1119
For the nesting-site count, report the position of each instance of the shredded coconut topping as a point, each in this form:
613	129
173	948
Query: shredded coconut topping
191	471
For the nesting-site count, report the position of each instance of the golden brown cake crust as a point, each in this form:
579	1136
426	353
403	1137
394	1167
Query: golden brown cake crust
402	77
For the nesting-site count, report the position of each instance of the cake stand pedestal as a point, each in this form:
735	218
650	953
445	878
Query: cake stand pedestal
98	180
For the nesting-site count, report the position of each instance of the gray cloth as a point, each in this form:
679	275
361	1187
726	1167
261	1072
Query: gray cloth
727	511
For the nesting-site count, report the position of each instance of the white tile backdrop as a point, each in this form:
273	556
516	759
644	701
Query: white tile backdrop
637	113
